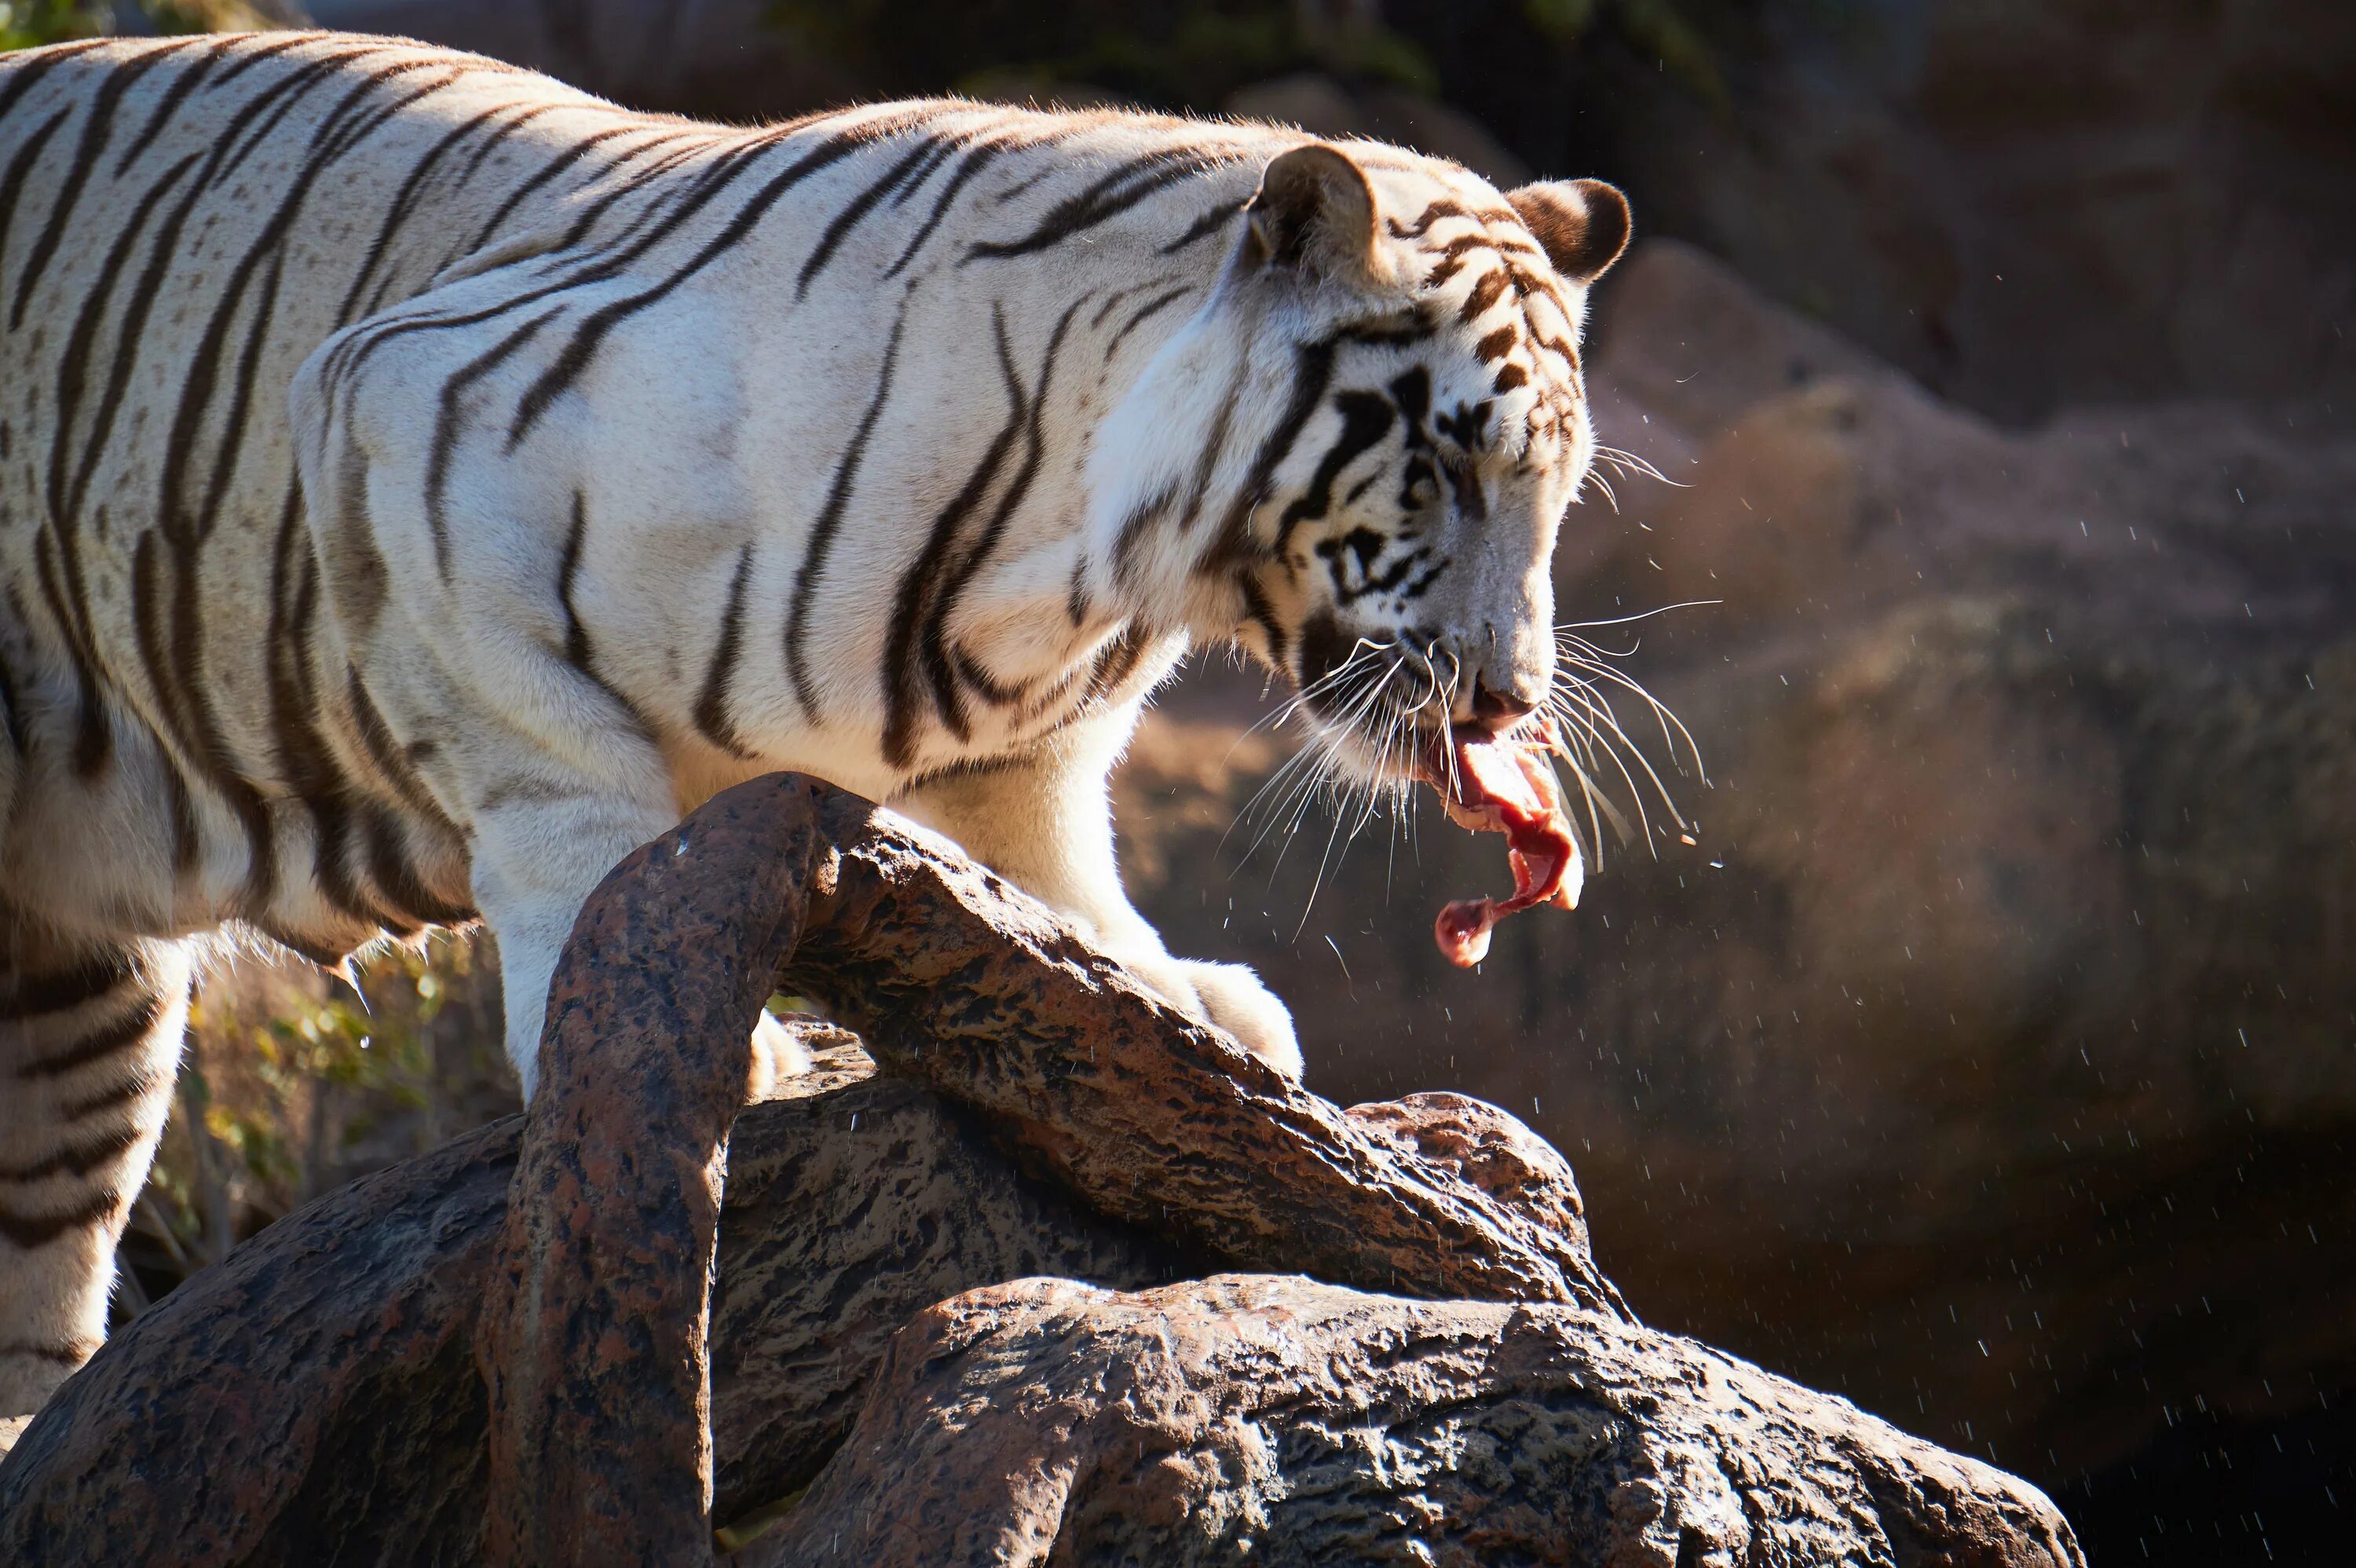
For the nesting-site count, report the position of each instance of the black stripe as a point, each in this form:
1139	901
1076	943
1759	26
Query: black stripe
970	673
305	759
377	739
1104	312
208	743
200	733
30	1231
11	183
1312	370
1114	663
1107	198
302	946
335	138
579	652
900	661
610	260
1366	420
1210	223
311	73
859	207
65	500
252	50
976	160
499	138
398	882
829	522
585	338
1143	313
958	576
446	429
76	1159
656	220
203	366
556	166
95	130
330	798
402	199
93	736
187	841
174	96
60	989
130	337
711	707
1134	528
25	71
1206	465
12	702
942	147
130	1092
1260	612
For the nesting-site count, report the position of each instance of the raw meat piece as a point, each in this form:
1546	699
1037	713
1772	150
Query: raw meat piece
1503	783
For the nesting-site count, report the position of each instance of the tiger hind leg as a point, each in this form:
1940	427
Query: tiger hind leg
89	1043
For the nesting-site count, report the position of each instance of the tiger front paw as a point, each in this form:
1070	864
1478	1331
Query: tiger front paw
1235	1000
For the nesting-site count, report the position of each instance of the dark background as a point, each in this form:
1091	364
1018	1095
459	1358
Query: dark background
1990	1055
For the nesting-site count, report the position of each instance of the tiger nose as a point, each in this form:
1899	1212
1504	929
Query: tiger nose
1498	712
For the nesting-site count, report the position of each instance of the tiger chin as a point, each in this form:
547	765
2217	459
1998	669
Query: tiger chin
423	483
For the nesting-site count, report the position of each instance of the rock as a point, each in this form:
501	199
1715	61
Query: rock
571	1261
592	1332
2027	204
312	1399
1278	1419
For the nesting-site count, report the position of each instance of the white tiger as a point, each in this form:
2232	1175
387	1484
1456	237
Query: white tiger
420	483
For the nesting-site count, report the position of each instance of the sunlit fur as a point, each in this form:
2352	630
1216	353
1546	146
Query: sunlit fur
422	483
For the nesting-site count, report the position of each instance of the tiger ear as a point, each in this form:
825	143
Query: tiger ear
1315	212
1583	224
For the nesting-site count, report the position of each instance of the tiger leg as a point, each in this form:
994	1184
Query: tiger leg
89	1043
1045	822
536	860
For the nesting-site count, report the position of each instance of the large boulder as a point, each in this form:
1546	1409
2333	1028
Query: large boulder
1279	1419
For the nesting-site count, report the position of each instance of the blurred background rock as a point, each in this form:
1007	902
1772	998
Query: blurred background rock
1990	1055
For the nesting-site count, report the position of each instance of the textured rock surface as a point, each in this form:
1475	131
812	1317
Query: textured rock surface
958	981
320	1397
313	1400
1277	1420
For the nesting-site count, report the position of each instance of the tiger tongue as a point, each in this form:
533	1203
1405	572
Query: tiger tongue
1507	786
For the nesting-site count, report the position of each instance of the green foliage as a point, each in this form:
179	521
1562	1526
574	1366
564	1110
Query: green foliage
294	1083
29	23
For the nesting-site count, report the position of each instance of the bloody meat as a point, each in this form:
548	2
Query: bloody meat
1504	785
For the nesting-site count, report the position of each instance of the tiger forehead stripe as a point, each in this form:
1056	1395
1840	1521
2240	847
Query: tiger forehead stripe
1536	347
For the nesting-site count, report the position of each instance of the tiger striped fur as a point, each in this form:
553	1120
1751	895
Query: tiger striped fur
420	483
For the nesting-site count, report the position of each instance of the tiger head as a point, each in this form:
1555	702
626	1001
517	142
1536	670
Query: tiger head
1356	460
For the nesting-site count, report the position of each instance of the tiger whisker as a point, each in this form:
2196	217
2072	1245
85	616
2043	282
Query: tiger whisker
1627	462
1617	747
1662	714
